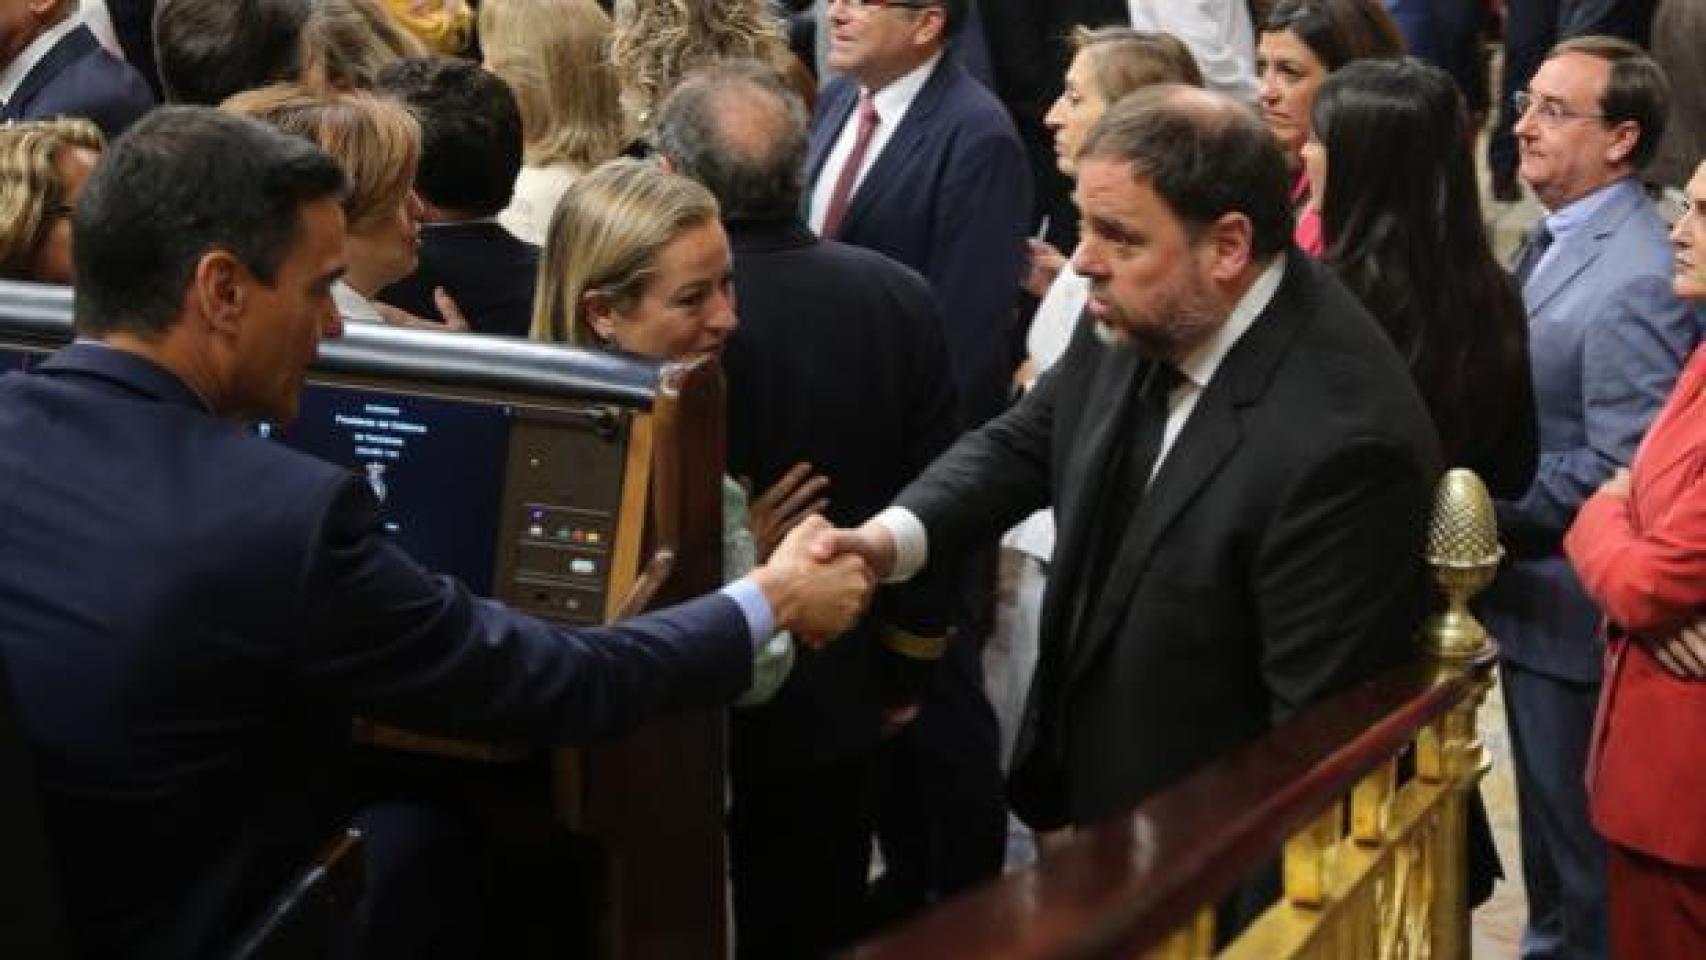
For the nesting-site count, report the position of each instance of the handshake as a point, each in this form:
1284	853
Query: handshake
819	580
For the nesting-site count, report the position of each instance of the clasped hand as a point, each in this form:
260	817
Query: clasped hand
815	599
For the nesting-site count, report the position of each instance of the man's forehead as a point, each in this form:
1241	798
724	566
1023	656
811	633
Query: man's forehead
1571	74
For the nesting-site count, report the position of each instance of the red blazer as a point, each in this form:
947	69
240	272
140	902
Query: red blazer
1643	560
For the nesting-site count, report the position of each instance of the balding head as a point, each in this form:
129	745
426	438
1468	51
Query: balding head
737	129
1205	154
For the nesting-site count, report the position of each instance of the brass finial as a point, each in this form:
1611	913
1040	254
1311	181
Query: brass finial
1463	550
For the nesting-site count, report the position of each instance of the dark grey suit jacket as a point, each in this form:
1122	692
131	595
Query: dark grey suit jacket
1275	559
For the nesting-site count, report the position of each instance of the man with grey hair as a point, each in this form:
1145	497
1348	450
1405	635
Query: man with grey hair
839	361
51	65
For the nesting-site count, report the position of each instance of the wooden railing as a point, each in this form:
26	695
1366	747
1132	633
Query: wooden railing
1373	866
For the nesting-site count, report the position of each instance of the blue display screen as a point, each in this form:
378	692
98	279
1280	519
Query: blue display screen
436	465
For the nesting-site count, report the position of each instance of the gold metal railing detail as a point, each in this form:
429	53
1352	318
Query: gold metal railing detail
1381	872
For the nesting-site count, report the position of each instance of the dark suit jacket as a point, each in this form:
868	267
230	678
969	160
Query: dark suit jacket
191	615
949	196
486	269
838	361
1275	558
78	78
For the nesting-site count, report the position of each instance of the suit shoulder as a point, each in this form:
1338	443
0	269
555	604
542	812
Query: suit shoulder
869	266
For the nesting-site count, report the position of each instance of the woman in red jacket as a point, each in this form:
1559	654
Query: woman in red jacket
1639	546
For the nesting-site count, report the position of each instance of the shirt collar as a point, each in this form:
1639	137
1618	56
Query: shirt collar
1199	365
12	77
1581	211
893	100
352	305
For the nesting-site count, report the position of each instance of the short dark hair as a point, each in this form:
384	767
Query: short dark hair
1338	31
470	131
1637	90
181	182
754	173
207	50
1205	154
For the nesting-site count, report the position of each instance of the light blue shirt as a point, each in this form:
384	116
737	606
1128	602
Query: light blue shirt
760	619
1568	220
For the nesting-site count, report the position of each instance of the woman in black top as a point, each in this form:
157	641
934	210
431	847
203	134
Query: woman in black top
1389	157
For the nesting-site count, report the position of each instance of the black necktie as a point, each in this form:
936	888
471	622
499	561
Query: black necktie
1534	247
1127	472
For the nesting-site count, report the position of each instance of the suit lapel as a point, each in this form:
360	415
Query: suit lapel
915	128
58	57
1574	257
1097	436
1208	440
838	104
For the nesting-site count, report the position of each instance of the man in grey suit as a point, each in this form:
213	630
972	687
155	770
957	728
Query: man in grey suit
1238	458
1607	339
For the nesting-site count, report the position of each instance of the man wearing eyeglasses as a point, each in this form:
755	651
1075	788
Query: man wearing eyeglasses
1607	338
913	158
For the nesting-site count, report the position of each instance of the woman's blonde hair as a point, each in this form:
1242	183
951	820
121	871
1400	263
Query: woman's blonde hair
32	194
605	236
555	55
660	41
1123	60
345	43
376	140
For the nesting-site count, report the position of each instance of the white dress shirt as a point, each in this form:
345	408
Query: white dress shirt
1218	33
892	102
1197	369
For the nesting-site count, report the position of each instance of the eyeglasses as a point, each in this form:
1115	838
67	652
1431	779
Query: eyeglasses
1551	112
866	6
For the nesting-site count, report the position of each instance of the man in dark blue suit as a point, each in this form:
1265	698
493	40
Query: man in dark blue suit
470	154
191	614
54	67
838	362
913	158
942	184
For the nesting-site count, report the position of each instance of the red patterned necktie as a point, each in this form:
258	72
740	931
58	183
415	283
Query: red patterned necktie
843	192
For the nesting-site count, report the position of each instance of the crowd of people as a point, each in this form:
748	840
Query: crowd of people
1090	369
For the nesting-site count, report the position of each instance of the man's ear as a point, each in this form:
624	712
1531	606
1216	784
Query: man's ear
600	315
220	288
1227	246
1624	136
933	27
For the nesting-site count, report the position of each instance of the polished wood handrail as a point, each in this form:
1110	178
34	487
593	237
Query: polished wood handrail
1122	887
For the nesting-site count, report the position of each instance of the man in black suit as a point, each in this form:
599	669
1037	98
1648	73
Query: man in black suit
52	66
913	158
191	614
838	362
1240	466
470	154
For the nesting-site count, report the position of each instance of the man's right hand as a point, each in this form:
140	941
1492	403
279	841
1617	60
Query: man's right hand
872	542
815	600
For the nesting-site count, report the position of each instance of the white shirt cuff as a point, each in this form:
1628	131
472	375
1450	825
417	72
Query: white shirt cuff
911	542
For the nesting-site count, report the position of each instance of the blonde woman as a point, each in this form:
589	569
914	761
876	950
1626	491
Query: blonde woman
660	41
378	143
43	165
637	261
555	56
